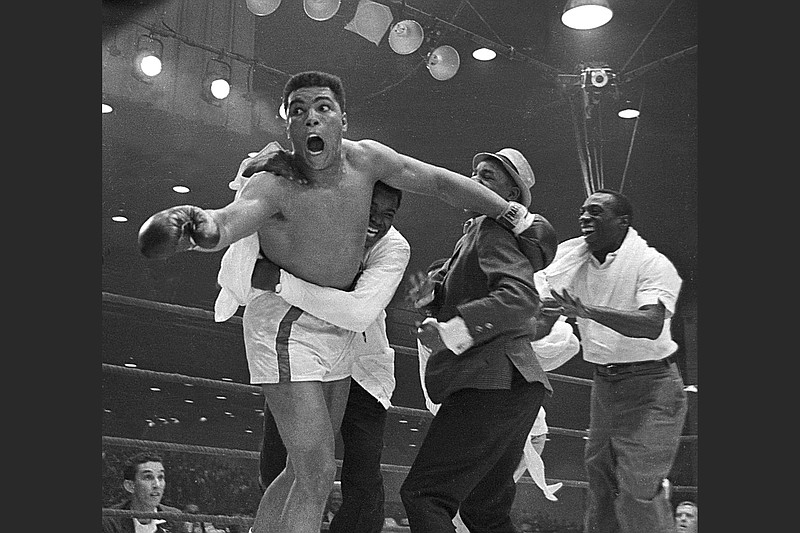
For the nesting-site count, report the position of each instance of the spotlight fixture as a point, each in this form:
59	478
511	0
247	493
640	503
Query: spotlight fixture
586	14
107	108
147	60
216	81
484	54
370	21
263	8
406	37
321	9
443	62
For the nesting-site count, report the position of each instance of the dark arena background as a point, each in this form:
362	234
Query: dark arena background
175	381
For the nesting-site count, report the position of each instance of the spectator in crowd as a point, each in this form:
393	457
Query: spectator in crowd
333	504
198	526
144	480
686	517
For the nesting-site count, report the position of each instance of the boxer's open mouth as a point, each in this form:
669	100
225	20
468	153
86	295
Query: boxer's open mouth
315	144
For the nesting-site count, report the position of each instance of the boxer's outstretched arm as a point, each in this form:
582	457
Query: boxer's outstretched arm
247	213
189	227
410	174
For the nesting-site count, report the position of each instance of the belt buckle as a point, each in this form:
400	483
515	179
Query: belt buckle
611	369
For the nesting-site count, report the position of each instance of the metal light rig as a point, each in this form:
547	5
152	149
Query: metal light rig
594	84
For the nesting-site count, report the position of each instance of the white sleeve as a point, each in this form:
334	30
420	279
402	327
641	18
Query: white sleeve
557	347
658	280
385	264
423	353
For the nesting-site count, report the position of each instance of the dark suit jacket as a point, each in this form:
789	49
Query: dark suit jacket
489	283
123	524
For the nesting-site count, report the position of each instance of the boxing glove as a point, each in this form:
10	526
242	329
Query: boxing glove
538	242
177	229
515	217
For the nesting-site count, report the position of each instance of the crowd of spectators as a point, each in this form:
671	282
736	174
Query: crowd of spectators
221	485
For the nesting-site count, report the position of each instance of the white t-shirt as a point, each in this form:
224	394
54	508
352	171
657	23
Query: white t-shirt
151	527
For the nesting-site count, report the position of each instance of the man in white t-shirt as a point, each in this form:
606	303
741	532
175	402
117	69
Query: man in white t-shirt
623	294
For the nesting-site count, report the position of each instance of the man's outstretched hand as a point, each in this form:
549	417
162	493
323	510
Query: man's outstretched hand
281	163
571	307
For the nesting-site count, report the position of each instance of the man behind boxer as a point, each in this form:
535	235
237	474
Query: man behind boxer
313	228
386	256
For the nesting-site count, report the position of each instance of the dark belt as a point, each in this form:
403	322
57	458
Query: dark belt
615	369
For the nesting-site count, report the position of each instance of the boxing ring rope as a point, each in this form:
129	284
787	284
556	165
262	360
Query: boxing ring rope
251	389
241	387
217	520
195	312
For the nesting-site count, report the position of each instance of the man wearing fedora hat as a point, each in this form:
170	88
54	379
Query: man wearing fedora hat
482	368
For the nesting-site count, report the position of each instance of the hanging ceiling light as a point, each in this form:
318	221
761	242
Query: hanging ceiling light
147	60
263	8
586	14
443	62
406	37
216	81
628	110
484	54
321	9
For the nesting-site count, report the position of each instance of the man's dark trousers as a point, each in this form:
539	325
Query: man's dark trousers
472	448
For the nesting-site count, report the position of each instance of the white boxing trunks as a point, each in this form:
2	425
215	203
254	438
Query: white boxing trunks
283	343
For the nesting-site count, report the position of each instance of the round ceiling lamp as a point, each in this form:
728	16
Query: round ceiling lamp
263	8
586	14
628	110
406	37
321	9
484	54
443	62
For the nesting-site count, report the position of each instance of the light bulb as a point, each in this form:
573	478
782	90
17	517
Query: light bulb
220	89
151	65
